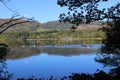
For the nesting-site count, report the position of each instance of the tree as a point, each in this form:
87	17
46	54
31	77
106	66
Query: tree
4	3
86	11
14	20
112	39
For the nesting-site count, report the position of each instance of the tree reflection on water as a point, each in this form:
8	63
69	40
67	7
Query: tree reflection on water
110	51
4	74
104	58
111	59
108	56
108	59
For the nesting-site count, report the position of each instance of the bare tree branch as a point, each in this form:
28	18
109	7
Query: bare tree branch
4	3
14	21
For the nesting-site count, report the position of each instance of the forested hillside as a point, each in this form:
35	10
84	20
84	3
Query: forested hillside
29	26
33	26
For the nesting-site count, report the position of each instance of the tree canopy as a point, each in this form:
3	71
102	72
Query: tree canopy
86	11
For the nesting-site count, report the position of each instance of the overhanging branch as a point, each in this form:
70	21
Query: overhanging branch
14	21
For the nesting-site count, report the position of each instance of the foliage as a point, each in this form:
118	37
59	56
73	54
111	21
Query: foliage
3	50
4	74
87	11
55	34
114	74
112	39
108	59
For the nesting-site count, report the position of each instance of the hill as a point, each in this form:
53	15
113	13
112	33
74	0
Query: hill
56	25
23	27
32	26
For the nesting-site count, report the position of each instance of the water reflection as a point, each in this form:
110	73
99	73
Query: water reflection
67	50
4	74
110	51
43	61
63	50
59	61
45	65
108	59
110	56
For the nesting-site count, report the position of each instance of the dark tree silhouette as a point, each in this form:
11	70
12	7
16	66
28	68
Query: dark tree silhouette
112	40
4	74
86	11
14	20
108	59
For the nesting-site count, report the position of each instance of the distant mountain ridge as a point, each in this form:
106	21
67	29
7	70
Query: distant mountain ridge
32	26
58	25
23	27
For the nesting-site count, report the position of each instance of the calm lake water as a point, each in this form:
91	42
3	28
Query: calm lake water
53	60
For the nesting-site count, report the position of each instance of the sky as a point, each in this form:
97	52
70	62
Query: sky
42	10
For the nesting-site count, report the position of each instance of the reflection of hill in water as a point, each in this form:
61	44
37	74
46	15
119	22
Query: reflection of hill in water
66	51
23	52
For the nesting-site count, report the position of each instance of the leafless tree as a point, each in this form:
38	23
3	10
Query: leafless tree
14	20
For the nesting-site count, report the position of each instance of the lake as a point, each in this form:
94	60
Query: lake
58	60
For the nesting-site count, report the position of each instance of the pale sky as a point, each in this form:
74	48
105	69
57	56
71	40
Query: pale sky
41	10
